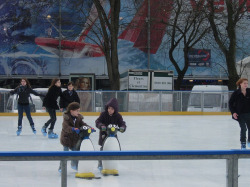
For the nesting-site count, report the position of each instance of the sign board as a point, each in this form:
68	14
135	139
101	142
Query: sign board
199	57
162	80
138	80
83	81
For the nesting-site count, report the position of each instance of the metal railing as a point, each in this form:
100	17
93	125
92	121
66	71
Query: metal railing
231	156
140	101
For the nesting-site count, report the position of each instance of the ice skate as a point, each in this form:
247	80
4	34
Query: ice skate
243	146
248	143
43	130
100	165
33	129
19	130
52	135
74	167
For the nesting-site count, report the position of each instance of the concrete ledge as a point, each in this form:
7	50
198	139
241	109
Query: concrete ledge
129	113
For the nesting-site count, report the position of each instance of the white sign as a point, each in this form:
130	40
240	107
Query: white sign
162	83
138	82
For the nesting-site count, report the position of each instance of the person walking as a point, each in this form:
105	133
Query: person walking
239	105
23	92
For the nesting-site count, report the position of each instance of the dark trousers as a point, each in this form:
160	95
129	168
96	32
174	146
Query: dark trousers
52	120
26	109
244	122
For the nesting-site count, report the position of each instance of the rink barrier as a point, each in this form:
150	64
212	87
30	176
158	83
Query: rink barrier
231	156
128	113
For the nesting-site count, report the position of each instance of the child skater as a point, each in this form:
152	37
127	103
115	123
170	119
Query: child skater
50	103
23	92
109	116
71	126
239	105
71	96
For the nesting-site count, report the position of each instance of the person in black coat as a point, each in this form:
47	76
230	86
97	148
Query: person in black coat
239	105
109	116
71	96
23	92
50	103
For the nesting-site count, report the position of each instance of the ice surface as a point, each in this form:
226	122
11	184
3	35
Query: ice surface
143	133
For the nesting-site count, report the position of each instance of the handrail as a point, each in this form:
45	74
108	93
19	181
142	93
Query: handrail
231	156
111	155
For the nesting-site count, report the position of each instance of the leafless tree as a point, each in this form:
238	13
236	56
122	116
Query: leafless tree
224	21
186	28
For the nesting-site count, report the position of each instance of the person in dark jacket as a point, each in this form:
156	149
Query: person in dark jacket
239	105
71	126
109	116
50	103
23	92
71	96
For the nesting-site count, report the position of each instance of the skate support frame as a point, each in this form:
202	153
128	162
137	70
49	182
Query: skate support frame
231	156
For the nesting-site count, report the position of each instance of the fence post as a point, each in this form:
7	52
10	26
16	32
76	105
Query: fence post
232	171
64	173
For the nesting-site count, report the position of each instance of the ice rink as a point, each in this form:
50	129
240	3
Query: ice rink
143	133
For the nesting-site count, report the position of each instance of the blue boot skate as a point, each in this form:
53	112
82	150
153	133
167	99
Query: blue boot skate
248	143
43	130
33	129
243	146
19	130
74	167
52	135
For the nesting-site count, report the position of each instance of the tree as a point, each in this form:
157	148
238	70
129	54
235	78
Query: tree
224	31
109	29
185	30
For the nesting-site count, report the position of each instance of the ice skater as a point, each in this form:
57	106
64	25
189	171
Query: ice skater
23	92
71	126
239	105
71	96
109	116
50	103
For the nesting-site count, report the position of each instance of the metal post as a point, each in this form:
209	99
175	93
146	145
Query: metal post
148	19
60	38
202	101
93	101
232	171
181	100
64	173
160	101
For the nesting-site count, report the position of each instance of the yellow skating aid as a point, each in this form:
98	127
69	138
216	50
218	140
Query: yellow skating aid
110	172
85	175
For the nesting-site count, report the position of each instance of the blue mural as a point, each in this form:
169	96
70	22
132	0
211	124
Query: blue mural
29	40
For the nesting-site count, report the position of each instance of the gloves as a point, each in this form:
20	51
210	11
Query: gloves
122	129
103	128
76	130
93	130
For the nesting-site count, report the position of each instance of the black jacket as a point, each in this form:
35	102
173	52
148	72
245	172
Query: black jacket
237	101
50	100
70	98
23	93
